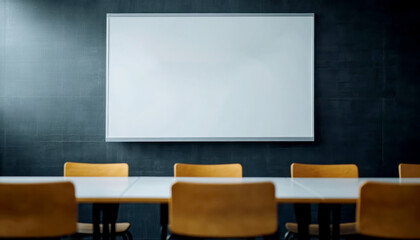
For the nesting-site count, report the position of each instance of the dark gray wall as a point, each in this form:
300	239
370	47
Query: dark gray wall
52	92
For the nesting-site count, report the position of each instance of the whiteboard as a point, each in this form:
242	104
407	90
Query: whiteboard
210	77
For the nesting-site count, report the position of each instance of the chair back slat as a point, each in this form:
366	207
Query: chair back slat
409	170
73	169
324	170
37	210
223	210
208	170
389	210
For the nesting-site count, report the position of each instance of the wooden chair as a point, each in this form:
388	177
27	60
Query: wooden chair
409	170
299	170
210	170
37	210
324	170
389	210
73	169
201	210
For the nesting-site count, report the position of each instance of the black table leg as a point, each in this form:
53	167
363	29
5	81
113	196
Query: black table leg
324	221
336	217
110	214
303	218
96	216
163	221
114	215
114	220
109	217
105	222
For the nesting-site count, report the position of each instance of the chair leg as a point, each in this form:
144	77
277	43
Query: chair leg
130	237
288	236
123	236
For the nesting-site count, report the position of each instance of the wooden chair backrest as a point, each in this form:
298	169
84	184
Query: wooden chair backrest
389	210
409	170
209	170
223	210
73	169
37	210
324	170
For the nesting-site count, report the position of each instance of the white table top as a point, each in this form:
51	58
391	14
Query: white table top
158	189
342	190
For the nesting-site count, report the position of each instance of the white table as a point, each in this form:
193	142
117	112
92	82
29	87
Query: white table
158	189
288	190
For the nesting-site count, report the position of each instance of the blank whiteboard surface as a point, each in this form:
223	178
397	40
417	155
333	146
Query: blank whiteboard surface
210	77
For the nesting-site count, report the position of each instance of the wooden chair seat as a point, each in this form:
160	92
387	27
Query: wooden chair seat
345	228
87	228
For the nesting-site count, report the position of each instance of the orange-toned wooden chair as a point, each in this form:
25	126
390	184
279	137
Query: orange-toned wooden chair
323	171
201	210
73	169
389	210
409	170
37	210
208	170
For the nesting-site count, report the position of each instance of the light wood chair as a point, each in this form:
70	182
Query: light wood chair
300	170
223	210
74	169
409	170
324	170
37	210
208	170
389	210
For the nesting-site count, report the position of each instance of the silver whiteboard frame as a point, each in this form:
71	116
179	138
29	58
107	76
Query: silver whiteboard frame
210	139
